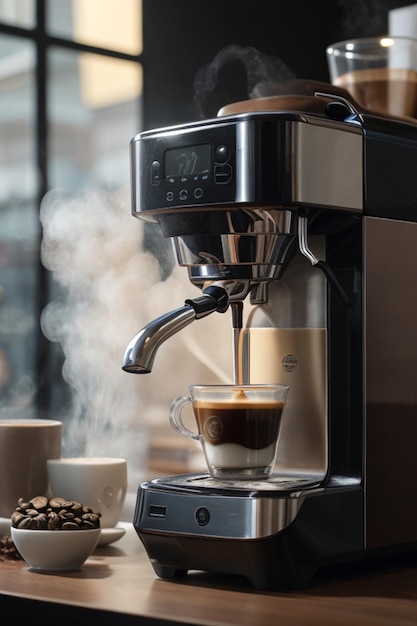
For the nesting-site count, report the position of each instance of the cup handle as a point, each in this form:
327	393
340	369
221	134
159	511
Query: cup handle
175	417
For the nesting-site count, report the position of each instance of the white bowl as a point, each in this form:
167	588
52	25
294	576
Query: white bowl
55	550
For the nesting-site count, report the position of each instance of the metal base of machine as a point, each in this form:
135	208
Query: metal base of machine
277	533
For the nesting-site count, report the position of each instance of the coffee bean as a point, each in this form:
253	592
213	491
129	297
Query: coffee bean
86	525
68	515
70	526
54	522
41	520
56	503
17	516
25	522
39	503
22	503
90	517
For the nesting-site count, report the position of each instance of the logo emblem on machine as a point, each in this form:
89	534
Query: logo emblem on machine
289	363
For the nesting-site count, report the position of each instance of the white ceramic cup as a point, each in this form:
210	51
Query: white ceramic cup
25	447
97	482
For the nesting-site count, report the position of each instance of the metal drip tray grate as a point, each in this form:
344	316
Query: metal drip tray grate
276	482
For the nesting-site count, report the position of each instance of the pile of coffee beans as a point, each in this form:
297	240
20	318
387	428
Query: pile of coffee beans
8	550
41	513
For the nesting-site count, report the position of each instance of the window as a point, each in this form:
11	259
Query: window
70	100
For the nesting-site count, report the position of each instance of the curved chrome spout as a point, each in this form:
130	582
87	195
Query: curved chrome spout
141	351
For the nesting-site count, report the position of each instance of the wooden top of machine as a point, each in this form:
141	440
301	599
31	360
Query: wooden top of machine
276	103
291	95
118	585
303	96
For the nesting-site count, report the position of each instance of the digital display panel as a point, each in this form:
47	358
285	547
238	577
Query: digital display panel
188	161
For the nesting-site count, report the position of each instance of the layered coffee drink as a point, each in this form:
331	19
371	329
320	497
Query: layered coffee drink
238	427
383	90
239	435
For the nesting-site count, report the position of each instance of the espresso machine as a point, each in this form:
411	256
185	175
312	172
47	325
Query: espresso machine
304	206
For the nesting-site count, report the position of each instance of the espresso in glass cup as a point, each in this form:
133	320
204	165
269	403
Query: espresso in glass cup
238	427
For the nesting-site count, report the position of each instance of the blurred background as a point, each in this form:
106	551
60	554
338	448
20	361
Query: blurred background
78	275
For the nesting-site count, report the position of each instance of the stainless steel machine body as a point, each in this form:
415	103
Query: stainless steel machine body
314	216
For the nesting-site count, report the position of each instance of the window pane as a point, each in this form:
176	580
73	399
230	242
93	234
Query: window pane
19	224
94	111
112	24
18	12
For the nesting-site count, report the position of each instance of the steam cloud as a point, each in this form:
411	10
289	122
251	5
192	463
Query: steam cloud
259	68
111	288
95	257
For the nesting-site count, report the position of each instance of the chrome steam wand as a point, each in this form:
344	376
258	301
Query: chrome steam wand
140	353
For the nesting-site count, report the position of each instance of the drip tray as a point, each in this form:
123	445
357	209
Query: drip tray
276	482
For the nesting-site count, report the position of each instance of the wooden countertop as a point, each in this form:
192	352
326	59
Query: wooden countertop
118	579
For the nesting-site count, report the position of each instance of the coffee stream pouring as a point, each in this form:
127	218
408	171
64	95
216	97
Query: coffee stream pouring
256	202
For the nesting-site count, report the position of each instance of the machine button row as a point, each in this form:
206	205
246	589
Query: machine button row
184	194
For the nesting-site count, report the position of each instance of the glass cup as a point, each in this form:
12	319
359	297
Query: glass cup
380	73
238	427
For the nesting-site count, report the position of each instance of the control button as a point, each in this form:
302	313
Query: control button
198	193
183	194
202	516
155	173
170	196
222	154
222	174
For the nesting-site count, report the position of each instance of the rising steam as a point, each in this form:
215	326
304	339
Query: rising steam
94	255
111	287
259	69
